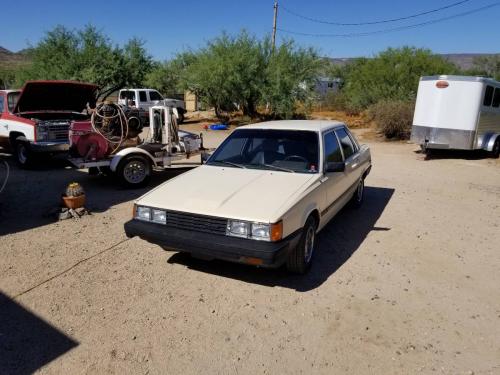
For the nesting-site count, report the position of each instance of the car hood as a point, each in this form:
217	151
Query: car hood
55	96
247	194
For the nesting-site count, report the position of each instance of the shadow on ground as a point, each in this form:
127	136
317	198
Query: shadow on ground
436	154
31	195
27	342
337	242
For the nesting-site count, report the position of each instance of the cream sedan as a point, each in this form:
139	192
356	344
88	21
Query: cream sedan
261	197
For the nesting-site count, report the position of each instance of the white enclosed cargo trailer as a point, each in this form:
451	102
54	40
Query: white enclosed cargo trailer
457	112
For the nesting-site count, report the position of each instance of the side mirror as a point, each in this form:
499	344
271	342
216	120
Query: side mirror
335	167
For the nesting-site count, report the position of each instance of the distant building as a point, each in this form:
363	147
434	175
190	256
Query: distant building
327	85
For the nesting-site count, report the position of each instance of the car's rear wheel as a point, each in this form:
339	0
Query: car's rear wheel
180	119
134	171
300	258
357	198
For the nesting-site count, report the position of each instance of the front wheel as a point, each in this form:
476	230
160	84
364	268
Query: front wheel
299	259
24	156
134	171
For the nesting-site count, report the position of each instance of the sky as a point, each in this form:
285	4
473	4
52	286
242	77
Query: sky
168	27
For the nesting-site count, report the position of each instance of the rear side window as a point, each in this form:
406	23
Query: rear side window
488	96
154	95
142	96
127	95
1	103
346	143
332	149
496	98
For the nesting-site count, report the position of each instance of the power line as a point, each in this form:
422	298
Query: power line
385	31
373	22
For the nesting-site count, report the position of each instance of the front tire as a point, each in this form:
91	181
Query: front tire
24	156
300	258
134	171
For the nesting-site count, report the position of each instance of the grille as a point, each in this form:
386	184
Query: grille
198	223
58	131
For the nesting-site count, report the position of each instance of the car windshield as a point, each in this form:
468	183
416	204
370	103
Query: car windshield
280	150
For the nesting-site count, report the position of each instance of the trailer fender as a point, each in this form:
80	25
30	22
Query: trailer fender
489	141
126	152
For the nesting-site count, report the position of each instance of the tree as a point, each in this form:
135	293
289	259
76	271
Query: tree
87	55
488	66
392	75
167	77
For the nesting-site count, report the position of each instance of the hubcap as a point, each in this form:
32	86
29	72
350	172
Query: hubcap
135	172
21	154
309	243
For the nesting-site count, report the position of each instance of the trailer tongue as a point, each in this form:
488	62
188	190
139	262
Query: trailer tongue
112	143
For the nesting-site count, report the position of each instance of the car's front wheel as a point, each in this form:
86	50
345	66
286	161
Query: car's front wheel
300	258
24	156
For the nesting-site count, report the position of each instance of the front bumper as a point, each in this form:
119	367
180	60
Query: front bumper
214	246
49	147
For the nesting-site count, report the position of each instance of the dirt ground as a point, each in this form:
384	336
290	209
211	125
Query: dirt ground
407	284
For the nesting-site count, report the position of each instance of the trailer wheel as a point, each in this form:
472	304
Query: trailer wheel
495	153
134	171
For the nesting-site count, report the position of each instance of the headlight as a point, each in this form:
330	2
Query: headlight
237	228
143	213
255	231
159	216
42	132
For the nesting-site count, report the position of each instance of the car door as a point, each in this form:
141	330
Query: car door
335	183
350	151
143	101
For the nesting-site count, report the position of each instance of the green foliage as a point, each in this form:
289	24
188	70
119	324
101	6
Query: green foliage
488	66
167	77
87	55
392	75
393	117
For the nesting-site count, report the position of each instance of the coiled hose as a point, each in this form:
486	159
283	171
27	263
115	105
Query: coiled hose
105	115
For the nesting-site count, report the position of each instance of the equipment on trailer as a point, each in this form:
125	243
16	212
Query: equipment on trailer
112	143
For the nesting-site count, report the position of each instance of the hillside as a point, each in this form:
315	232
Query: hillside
10	59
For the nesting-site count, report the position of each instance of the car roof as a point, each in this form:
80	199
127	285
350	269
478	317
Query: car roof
9	91
313	125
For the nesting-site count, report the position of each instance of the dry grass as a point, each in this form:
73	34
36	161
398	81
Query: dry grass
361	120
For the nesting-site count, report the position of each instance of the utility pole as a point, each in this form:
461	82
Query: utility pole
274	22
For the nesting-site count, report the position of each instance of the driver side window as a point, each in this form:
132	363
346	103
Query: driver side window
332	149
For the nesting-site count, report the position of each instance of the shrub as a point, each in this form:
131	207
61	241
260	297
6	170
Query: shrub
393	118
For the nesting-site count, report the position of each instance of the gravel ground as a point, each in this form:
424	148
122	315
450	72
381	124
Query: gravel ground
407	284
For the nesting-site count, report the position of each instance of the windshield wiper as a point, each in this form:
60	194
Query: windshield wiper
277	168
230	163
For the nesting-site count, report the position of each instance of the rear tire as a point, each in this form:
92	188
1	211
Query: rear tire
300	258
495	153
357	198
180	119
24	156
134	171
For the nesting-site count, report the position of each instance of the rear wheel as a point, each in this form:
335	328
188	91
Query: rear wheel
180	112
24	156
495	153
134	171
299	259
357	198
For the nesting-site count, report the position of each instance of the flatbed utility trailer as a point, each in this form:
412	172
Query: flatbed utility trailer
134	165
457	112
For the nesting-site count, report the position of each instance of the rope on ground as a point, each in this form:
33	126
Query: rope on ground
70	268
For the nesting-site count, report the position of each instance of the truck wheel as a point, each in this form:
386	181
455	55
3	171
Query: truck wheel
299	259
24	156
180	119
495	153
357	198
134	171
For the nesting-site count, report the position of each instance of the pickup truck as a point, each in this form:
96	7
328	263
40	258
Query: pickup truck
145	98
36	119
261	197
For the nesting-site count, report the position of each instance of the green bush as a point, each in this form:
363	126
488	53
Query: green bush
393	118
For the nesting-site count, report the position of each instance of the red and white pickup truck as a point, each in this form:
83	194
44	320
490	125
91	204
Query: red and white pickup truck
36	119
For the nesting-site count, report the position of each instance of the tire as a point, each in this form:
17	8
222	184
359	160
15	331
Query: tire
134	171
495	153
357	198
300	258
24	156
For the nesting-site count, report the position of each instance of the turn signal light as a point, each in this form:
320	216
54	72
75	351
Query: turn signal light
276	231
